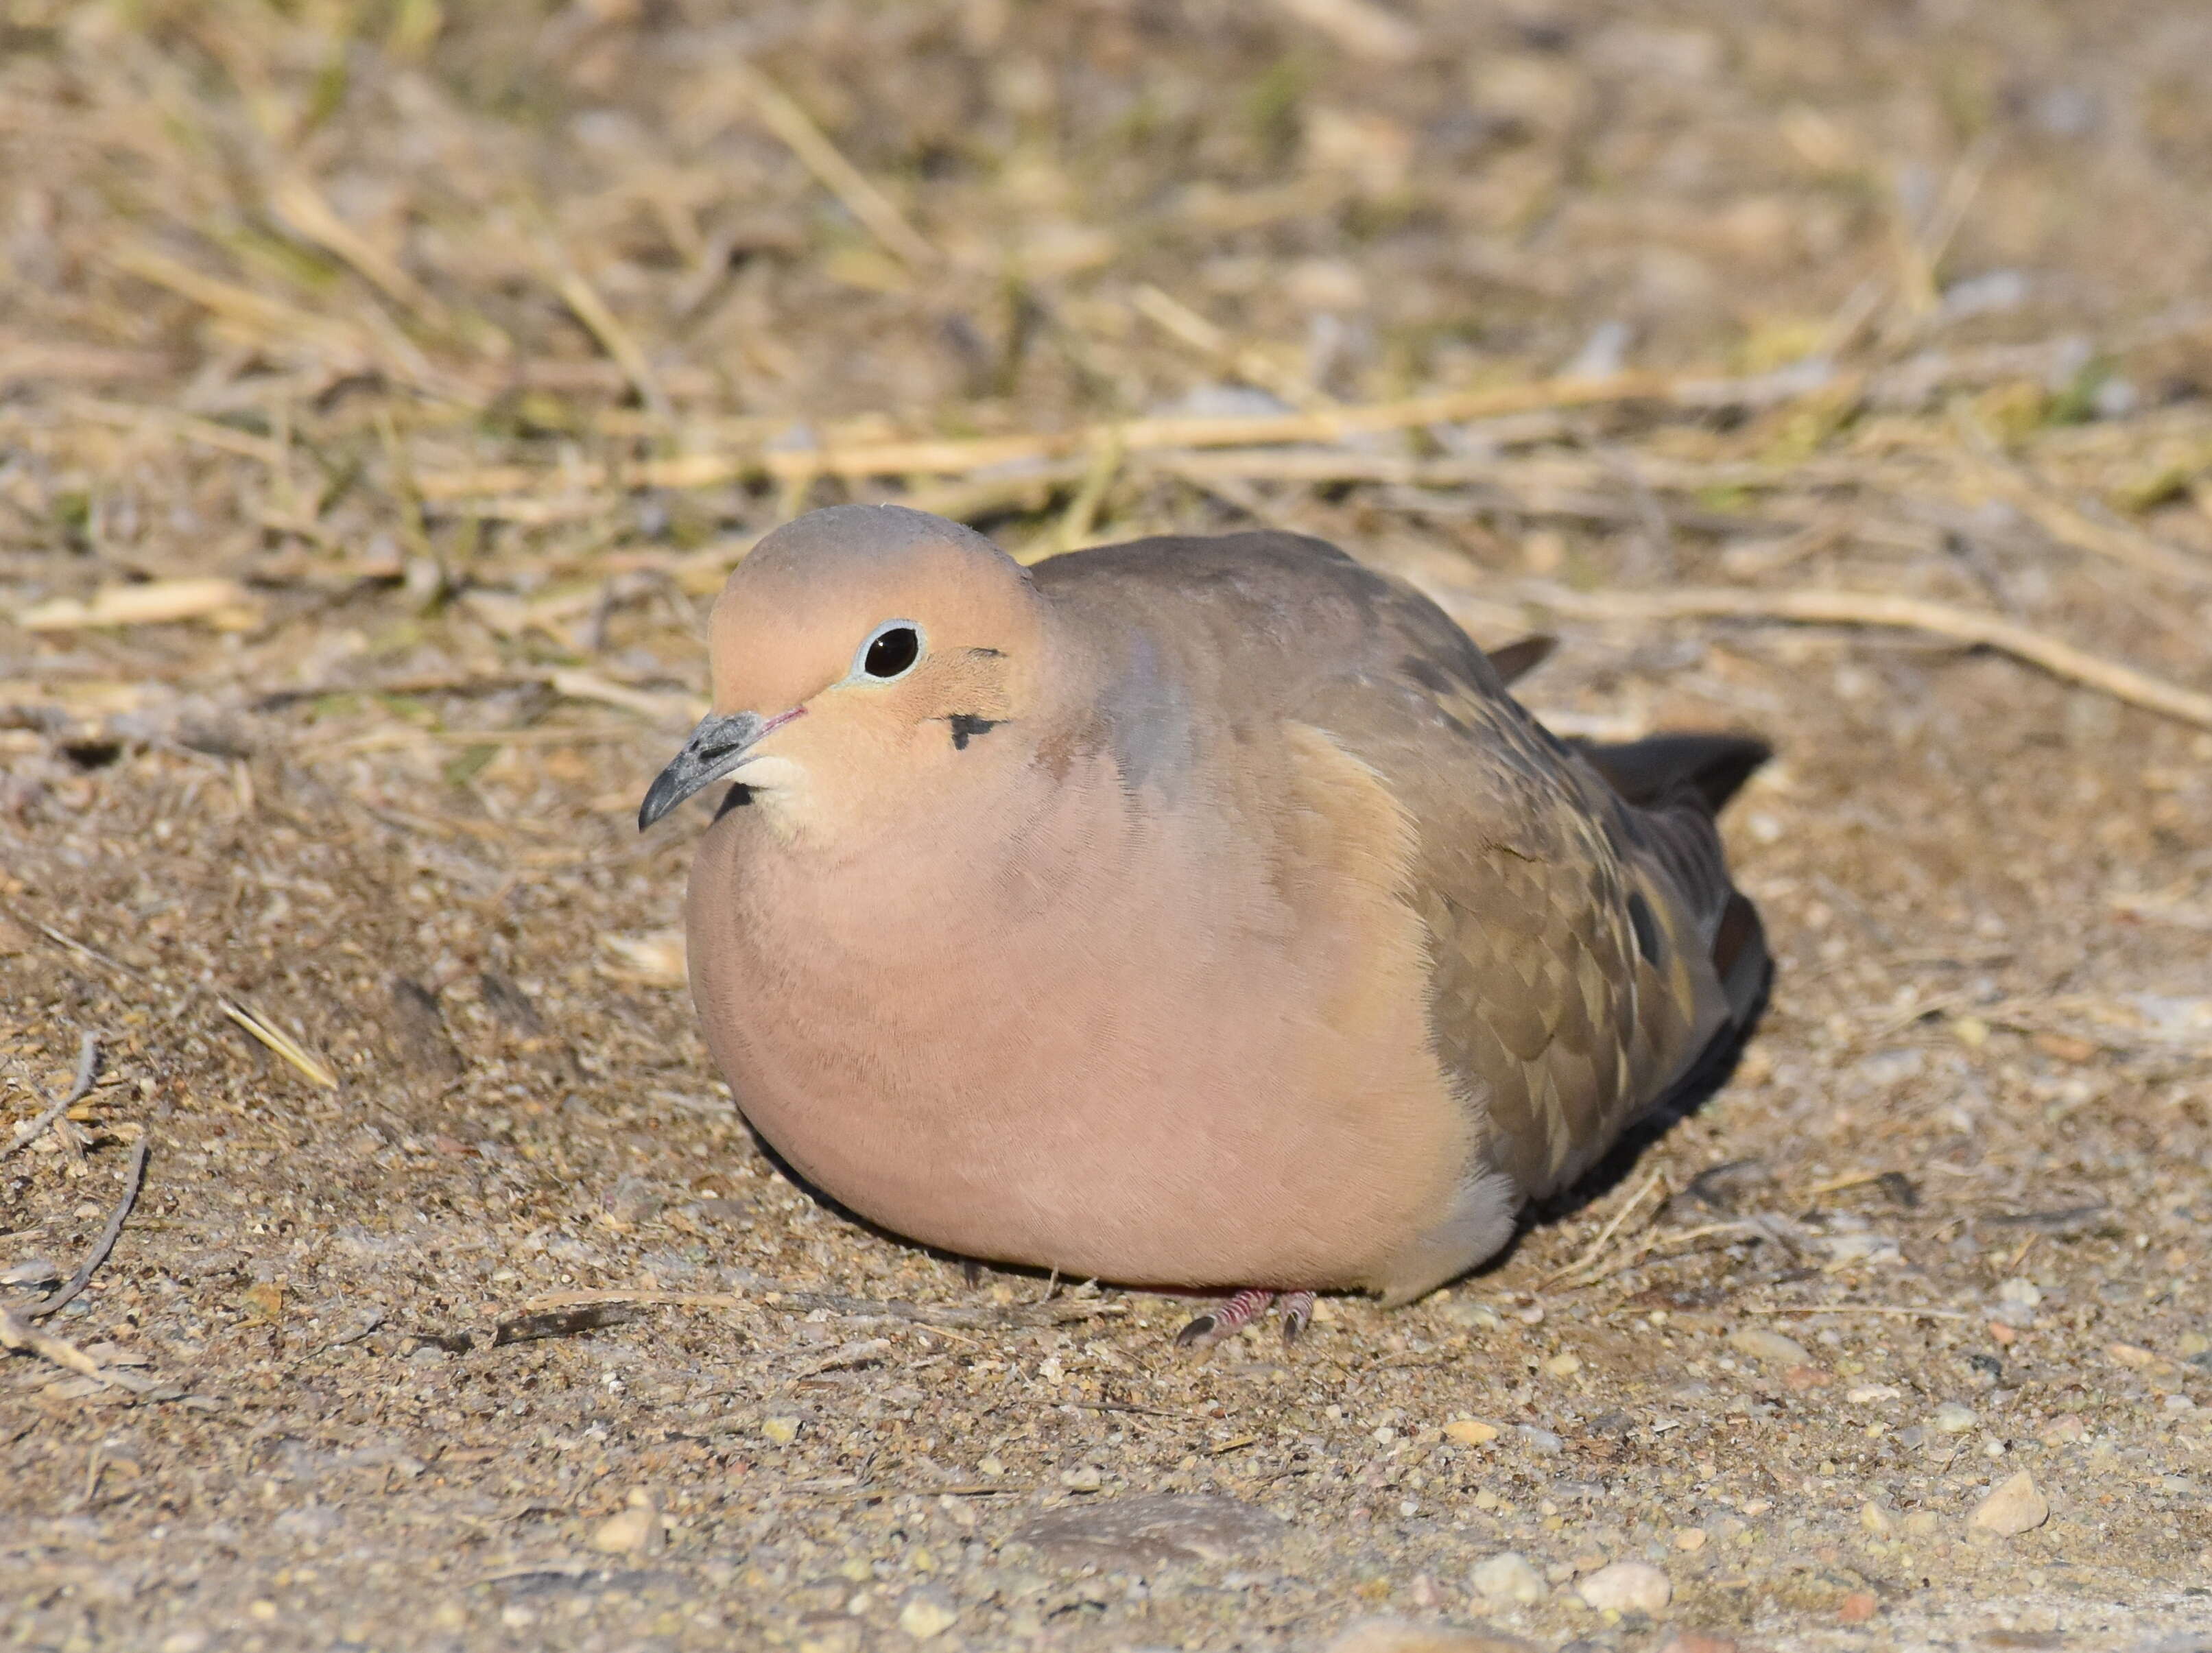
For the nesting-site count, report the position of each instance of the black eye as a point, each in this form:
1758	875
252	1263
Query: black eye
891	651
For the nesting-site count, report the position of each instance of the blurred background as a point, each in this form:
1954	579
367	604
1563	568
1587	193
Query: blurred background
411	240
385	387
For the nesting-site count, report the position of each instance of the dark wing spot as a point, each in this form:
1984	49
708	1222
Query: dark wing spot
1632	825
966	726
1646	926
1424	673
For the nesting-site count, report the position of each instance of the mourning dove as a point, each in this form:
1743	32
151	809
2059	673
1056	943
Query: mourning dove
1194	913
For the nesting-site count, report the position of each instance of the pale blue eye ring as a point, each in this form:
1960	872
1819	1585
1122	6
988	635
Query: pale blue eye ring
889	652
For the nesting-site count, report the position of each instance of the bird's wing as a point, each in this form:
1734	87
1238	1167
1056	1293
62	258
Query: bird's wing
1572	934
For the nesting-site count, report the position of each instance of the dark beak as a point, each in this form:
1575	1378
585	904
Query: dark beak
718	745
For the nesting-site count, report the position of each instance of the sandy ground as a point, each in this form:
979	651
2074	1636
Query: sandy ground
509	1336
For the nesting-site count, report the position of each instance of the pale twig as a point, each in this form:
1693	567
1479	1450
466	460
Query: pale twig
936	1317
1852	608
1605	1235
18	1333
962	457
134	1178
838	175
1855	1308
87	1065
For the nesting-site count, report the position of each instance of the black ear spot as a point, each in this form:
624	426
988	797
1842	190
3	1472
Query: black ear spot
737	797
1642	919
966	726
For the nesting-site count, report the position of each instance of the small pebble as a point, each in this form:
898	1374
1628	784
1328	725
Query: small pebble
1507	1577
1470	1431
1542	1442
781	1431
2013	1506
1409	1635
1695	1641
1858	1607
1563	1365
926	1615
1475	1316
1770	1348
1690	1539
1626	1587
1952	1419
1876	1519
630	1530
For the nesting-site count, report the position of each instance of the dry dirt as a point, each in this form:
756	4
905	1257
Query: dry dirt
384	314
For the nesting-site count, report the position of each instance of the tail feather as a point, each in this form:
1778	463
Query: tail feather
1680	782
1652	772
1516	660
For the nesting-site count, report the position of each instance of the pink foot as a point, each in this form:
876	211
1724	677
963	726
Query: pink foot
1207	1329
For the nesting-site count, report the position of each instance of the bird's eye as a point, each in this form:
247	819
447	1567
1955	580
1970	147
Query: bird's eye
890	651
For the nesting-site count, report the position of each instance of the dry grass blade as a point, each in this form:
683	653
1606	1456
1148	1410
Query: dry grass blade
1597	1248
2116	542
584	299
1180	321
252	312
303	210
281	1043
1082	513
577	684
1621	1261
1359	26
168	422
1851	608
828	163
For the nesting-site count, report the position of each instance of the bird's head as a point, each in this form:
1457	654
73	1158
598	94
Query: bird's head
859	655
